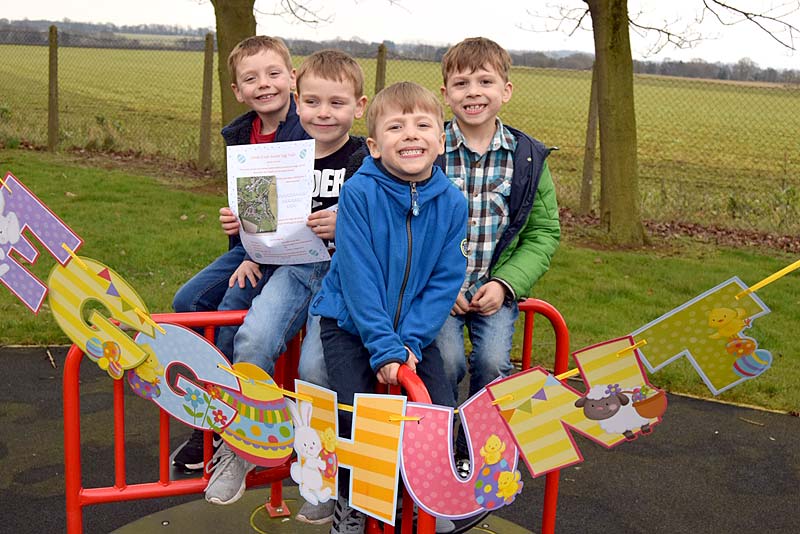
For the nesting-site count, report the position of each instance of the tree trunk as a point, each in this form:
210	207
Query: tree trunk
589	149
235	21
619	192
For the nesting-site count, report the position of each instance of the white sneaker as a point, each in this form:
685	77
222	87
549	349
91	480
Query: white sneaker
228	474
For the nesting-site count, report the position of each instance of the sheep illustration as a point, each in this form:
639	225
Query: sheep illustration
613	410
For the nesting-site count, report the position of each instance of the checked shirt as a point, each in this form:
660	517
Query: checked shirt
485	180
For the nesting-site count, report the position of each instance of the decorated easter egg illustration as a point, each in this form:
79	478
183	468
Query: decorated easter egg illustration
143	388
753	364
262	431
94	348
740	346
488	484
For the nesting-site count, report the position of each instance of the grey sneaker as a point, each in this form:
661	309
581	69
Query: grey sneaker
316	514
228	473
347	520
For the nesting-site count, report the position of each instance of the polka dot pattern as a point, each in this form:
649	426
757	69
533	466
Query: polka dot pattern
428	459
46	226
687	329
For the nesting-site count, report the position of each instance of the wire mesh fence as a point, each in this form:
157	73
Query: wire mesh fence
719	152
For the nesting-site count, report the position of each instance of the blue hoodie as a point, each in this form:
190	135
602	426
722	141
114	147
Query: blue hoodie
398	268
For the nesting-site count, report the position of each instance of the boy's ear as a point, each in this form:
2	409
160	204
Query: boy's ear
507	90
441	143
237	94
372	145
296	97
361	105
293	81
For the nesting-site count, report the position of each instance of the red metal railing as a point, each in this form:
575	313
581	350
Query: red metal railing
77	497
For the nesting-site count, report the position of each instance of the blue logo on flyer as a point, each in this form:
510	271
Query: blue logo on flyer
241	158
302	154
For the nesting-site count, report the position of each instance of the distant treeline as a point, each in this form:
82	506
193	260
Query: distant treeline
107	35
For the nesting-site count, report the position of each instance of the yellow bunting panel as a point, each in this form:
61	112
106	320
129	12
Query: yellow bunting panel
708	331
72	288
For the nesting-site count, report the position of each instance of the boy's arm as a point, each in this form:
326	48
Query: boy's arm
537	242
363	288
429	311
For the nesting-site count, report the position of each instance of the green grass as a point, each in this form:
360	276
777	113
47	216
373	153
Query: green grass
708	151
135	224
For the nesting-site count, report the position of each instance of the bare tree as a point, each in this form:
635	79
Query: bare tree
611	25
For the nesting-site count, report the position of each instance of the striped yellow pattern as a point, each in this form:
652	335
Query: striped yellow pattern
539	425
71	287
373	455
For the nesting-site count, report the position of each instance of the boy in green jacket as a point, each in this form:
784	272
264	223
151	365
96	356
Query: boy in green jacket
512	229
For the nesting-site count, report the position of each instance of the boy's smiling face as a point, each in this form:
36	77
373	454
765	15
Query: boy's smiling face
263	83
407	143
327	109
476	97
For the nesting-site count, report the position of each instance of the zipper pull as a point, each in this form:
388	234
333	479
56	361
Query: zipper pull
414	199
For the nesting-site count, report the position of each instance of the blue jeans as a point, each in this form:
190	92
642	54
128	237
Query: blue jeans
312	359
349	373
491	337
276	314
205	290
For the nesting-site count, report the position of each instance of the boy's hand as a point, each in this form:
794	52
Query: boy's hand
460	307
229	222
488	299
388	374
323	223
412	360
248	270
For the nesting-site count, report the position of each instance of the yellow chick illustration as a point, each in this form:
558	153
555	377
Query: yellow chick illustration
328	439
728	322
493	450
150	369
508	485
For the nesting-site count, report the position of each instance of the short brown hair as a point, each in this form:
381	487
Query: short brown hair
474	53
333	65
252	46
408	97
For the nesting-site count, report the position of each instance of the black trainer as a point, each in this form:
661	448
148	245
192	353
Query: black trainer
190	456
463	466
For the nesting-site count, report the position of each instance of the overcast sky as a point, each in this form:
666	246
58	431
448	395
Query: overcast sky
446	22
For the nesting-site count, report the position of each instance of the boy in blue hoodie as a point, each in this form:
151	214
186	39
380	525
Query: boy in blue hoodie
399	263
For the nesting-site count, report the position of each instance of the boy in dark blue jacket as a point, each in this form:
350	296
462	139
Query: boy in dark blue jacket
399	263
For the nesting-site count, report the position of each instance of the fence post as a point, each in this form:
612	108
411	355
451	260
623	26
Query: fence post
52	99
204	149
380	69
589	148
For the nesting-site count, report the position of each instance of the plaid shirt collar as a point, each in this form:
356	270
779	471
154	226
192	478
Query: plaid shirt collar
502	137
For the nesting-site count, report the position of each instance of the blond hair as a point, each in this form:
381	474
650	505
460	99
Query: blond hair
252	46
407	97
475	53
335	66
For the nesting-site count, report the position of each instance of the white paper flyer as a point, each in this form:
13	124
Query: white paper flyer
269	190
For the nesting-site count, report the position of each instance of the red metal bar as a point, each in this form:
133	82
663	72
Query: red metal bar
119	434
77	496
529	307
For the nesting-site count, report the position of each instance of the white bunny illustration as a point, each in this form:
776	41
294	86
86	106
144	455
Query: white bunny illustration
307	470
9	232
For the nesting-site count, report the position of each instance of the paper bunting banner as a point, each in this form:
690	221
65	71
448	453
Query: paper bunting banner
21	210
194	397
539	425
373	452
708	331
427	459
72	287
261	431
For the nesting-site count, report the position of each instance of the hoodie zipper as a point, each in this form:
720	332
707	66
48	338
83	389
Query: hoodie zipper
413	211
